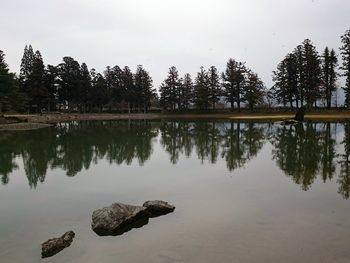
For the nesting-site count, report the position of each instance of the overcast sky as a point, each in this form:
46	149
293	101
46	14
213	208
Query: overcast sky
161	33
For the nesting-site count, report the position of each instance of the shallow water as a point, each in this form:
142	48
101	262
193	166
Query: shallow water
244	192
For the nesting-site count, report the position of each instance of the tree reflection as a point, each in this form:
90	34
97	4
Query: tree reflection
298	151
303	152
74	146
344	176
7	156
241	142
235	142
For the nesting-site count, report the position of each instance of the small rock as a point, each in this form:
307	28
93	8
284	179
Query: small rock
118	218
55	245
158	207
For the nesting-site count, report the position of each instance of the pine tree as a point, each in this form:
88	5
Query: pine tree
37	90
186	92
329	75
143	87
113	77
128	87
51	75
98	96
280	88
233	82
69	81
299	54
214	86
254	90
8	86
170	89
85	84
201	90
26	68
312	73
345	52
292	79
6	82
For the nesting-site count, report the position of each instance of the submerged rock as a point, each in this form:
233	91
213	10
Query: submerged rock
118	218
158	207
55	245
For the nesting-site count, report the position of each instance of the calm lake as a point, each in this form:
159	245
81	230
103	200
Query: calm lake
243	191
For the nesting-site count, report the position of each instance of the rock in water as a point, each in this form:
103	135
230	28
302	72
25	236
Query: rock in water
55	245
118	218
158	207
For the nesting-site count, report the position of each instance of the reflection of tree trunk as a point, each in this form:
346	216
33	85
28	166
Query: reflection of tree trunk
238	136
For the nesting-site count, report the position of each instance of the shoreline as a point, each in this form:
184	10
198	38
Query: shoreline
35	121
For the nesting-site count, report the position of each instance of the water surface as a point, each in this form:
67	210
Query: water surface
244	192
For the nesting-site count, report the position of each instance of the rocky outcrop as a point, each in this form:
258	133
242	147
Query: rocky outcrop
55	245
119	218
158	208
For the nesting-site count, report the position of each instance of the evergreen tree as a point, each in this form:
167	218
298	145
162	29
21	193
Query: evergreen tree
170	89
10	98
128	85
69	80
37	91
98	96
329	75
26	68
113	77
214	86
144	88
345	52
292	79
186	92
280	88
312	73
85	84
300	65
254	90
51	82
233	82
298	77
201	90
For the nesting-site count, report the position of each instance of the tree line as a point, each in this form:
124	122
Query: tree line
72	86
304	78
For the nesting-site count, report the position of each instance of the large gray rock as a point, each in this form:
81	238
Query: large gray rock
118	218
158	207
55	245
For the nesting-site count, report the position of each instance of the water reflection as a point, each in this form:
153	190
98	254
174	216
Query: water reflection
303	152
344	175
